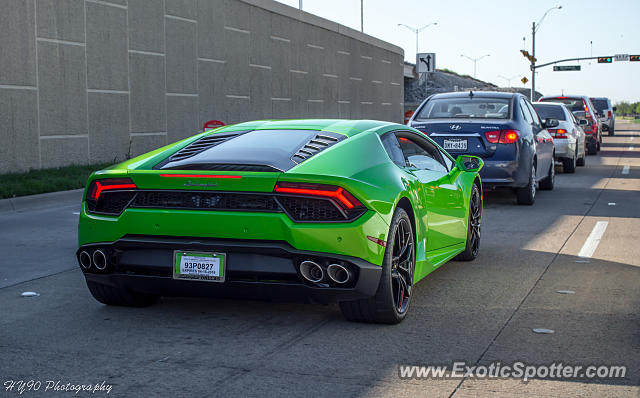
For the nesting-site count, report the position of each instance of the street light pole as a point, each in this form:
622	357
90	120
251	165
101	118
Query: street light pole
508	79
534	28
417	31
475	61
533	61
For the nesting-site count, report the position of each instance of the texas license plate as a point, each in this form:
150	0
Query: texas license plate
199	266
455	144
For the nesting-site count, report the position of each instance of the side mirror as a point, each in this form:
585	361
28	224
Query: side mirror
469	163
549	123
615	108
583	122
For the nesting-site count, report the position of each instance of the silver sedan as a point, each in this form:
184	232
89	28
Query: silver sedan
568	136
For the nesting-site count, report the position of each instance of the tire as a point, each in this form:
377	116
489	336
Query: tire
611	133
527	195
581	161
592	149
113	296
472	247
391	301
569	164
549	181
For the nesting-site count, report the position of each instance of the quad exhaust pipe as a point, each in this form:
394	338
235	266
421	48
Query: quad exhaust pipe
99	259
311	271
339	274
85	260
93	260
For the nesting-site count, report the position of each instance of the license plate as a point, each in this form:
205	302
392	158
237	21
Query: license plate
199	266
455	144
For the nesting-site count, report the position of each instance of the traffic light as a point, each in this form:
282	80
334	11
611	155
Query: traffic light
604	60
634	58
528	56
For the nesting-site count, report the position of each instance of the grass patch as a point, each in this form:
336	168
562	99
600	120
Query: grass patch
46	180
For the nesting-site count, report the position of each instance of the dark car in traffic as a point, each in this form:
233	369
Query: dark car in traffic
501	128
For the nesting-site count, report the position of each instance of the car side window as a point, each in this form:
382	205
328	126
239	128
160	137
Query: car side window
391	145
423	156
534	114
525	112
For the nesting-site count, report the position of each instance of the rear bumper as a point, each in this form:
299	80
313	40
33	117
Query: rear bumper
254	270
507	173
565	148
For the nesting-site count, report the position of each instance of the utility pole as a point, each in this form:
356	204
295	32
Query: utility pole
300	5
533	61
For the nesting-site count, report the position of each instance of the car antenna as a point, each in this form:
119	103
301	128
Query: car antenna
470	94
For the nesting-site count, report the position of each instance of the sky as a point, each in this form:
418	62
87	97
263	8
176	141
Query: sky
582	28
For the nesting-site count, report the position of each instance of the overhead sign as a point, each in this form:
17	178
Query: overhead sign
426	62
621	57
566	67
524	80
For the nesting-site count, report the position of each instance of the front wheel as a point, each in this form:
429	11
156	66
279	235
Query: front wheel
473	230
391	301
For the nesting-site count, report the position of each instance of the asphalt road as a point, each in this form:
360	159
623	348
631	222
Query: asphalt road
474	312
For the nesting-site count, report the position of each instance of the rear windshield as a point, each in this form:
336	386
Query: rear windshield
466	108
574	104
600	104
273	149
550	111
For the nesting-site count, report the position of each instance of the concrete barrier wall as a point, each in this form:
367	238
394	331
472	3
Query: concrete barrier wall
87	81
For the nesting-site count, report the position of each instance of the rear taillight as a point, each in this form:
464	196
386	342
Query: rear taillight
110	195
502	136
308	202
558	133
610	114
338	194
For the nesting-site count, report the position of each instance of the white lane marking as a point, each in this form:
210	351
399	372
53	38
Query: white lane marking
631	138
625	169
611	203
631	148
76	213
591	244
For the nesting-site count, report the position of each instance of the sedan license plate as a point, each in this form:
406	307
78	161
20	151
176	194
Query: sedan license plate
455	144
199	266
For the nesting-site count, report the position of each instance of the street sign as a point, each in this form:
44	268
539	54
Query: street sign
426	62
524	80
560	68
621	57
604	60
633	58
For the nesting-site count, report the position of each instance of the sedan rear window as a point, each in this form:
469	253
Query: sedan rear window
550	111
574	104
466	108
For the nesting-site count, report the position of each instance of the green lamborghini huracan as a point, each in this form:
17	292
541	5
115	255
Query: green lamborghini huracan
347	211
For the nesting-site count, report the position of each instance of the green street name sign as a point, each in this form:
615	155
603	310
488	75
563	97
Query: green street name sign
566	67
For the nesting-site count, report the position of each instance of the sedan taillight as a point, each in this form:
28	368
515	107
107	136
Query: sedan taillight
558	133
502	136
